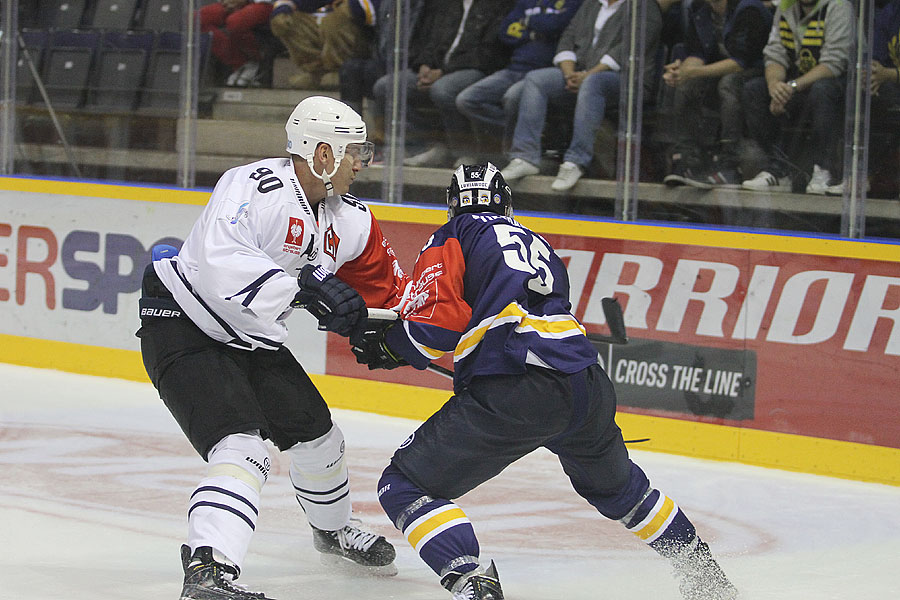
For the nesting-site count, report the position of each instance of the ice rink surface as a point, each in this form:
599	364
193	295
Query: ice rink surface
95	478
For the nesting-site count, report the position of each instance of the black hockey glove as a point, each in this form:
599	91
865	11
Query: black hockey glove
336	305
370	348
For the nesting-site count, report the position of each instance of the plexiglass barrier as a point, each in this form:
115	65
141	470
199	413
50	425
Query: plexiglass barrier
725	113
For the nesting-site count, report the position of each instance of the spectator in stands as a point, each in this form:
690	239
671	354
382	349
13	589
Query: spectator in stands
675	20
319	36
234	43
805	63
884	116
590	56
531	30
724	45
358	75
460	47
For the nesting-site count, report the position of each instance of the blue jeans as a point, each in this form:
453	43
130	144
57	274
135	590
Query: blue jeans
821	105
492	103
442	94
543	87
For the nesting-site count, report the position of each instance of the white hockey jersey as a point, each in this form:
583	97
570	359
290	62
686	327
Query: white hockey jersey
236	273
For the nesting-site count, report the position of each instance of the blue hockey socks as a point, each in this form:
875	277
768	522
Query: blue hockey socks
437	529
660	523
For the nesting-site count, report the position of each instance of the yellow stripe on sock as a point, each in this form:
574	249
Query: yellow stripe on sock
429	525
653	526
236	472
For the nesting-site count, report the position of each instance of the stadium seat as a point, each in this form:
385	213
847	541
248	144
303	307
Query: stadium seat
162	88
162	15
67	66
61	14
163	82
113	14
36	44
119	72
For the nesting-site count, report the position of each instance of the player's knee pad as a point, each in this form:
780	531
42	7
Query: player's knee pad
396	492
243	456
224	507
319	475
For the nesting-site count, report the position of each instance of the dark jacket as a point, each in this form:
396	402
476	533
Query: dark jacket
746	30
579	35
479	48
532	30
886	40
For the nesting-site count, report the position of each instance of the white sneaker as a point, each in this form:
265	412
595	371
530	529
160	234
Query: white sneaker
232	79
436	156
838	188
766	182
517	169
819	182
247	75
568	175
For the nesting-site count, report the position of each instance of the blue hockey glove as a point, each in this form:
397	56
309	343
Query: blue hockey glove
336	305
370	349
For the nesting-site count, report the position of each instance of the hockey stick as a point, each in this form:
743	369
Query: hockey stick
386	314
612	310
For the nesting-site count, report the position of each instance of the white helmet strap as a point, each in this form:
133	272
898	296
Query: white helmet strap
325	176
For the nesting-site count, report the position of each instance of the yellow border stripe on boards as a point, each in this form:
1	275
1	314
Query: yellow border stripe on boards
105	190
797	243
819	456
739	240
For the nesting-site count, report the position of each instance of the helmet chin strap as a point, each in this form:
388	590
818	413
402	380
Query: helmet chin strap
325	176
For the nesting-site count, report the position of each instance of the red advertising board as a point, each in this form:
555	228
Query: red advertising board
794	343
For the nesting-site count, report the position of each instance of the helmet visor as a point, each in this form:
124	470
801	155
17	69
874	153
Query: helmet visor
361	151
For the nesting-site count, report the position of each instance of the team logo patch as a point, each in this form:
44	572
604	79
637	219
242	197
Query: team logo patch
294	239
332	241
241	212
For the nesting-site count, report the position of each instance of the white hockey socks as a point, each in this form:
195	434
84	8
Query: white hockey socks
320	479
224	507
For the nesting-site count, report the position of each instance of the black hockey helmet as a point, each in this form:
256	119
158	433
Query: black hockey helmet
478	188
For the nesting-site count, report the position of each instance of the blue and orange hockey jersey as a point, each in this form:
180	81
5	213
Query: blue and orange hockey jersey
496	295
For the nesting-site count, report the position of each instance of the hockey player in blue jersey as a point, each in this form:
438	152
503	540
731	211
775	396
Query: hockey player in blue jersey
497	295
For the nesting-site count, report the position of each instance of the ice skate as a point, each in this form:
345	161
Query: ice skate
207	579
480	584
700	576
351	547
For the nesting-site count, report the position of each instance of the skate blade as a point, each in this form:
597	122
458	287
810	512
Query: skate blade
348	567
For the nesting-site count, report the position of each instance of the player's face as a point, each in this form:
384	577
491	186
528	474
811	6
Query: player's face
346	173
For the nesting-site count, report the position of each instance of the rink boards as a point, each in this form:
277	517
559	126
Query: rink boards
773	350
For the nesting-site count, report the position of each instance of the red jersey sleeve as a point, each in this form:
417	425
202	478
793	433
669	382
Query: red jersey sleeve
436	297
376	273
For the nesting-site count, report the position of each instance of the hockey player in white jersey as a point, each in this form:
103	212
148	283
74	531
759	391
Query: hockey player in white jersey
276	234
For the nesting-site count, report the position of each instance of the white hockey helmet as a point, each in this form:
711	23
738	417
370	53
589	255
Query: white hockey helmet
319	119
